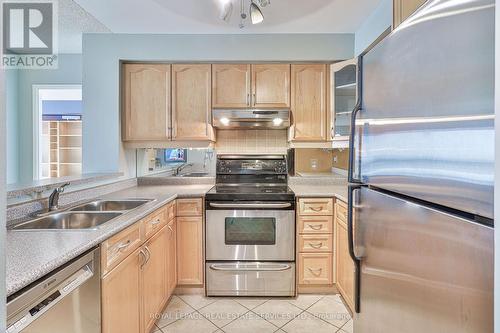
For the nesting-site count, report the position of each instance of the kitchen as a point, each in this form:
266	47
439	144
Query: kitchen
244	166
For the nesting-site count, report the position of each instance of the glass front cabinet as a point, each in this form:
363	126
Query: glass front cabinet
344	98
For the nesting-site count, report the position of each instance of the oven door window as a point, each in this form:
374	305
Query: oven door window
250	231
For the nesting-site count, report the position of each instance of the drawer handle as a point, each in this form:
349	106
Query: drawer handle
170	227
315	227
123	245
155	222
313	271
317	209
144	258
317	245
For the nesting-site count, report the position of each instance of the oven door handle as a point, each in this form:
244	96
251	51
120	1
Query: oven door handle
229	267
250	205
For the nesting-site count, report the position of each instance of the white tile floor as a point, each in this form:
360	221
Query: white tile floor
306	313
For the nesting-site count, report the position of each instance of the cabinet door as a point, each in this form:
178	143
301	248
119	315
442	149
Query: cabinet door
343	98
404	8
345	267
121	297
146	102
190	250
271	85
171	257
230	86
153	277
192	102
309	102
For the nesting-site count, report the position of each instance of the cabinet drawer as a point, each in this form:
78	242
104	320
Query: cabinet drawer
341	210
154	223
118	247
315	224
316	243
315	268
190	207
170	211
316	206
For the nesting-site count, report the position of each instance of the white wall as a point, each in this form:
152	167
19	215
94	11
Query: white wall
373	26
102	147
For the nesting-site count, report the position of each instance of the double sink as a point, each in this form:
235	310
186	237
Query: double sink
89	215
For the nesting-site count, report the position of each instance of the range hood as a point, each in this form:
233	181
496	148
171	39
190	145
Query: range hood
251	118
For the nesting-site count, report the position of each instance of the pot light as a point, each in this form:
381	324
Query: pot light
224	121
277	121
255	14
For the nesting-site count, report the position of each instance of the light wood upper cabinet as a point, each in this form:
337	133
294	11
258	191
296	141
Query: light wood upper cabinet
192	102
190	250
230	85
309	102
403	9
146	102
345	268
153	277
121	297
270	85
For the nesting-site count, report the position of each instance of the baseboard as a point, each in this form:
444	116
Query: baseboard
328	289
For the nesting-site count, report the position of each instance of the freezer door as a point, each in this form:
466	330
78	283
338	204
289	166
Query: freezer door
422	270
426	125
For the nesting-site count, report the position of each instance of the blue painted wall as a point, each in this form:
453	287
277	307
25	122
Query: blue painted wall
102	147
373	26
21	112
12	125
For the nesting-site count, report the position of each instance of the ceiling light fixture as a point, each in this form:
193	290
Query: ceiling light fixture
255	13
226	10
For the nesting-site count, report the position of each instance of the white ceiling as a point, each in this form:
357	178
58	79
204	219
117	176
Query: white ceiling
202	16
73	21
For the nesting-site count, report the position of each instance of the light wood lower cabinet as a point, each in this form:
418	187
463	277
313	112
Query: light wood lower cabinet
171	269
345	268
121	296
315	247
315	268
154	278
140	272
190	250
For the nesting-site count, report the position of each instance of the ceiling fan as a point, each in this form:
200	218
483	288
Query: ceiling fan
256	15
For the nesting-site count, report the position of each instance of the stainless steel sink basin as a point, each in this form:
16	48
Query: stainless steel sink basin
68	220
111	205
194	174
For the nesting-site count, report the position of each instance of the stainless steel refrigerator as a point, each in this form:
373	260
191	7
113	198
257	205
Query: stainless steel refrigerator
421	174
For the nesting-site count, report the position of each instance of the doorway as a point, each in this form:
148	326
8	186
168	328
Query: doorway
57	143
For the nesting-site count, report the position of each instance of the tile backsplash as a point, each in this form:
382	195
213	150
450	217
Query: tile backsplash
251	142
319	160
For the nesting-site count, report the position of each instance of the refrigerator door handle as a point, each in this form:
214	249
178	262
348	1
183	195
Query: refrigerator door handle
357	108
350	237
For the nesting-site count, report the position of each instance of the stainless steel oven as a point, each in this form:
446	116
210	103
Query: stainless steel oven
250	228
239	232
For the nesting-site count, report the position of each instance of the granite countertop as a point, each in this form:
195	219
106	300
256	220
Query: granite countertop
32	254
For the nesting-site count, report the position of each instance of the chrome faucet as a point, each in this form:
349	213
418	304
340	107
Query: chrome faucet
182	167
54	197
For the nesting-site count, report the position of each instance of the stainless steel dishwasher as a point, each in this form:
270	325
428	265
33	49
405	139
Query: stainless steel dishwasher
67	300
